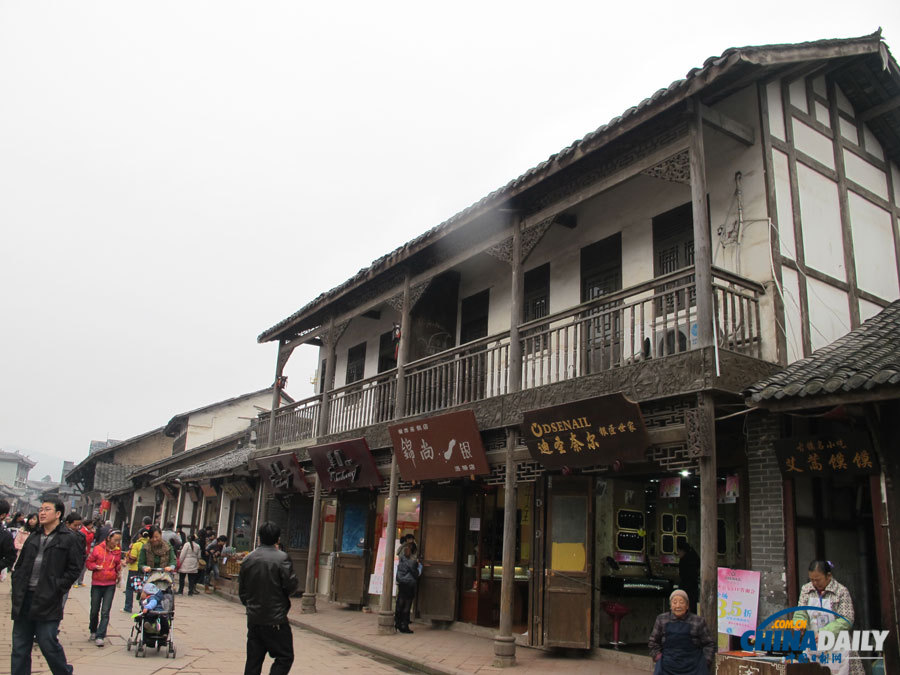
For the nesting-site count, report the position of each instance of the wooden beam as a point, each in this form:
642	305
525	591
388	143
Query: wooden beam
880	109
700	218
739	131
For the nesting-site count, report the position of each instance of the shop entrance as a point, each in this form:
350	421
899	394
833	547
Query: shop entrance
355	519
440	554
565	586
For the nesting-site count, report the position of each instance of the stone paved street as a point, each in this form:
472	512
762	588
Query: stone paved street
209	635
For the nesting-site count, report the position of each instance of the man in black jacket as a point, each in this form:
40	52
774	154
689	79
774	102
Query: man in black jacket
48	565
7	549
265	584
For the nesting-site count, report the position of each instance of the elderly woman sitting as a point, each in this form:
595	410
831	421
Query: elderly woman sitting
680	643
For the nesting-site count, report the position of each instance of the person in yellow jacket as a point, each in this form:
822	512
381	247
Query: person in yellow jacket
132	559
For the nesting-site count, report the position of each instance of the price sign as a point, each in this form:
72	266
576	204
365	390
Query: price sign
738	600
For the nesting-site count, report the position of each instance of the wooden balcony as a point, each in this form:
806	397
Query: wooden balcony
652	320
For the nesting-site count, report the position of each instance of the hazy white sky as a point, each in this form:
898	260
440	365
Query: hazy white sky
176	177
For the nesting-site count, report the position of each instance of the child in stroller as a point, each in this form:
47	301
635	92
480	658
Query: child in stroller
153	624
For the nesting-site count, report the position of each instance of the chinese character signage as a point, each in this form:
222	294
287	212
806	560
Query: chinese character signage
738	600
445	446
828	455
346	464
283	473
591	432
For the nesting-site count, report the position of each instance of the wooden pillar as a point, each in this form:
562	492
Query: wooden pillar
385	615
180	508
276	392
708	513
308	602
702	247
258	510
504	642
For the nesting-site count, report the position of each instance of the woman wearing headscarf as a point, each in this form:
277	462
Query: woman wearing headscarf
824	592
156	553
680	642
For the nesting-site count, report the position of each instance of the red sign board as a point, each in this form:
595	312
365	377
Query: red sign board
590	432
283	473
346	464
445	446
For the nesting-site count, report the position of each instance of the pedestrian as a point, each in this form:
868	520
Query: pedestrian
7	543
48	565
73	522
88	531
156	553
407	579
171	536
680	643
104	562
131	558
214	552
146	524
30	525
689	573
102	532
265	584
189	566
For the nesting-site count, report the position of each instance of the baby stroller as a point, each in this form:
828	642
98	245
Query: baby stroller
154	628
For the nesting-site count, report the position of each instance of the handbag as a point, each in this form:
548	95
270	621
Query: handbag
201	563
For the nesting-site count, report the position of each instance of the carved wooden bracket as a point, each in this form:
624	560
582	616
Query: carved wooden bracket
531	236
698	432
675	169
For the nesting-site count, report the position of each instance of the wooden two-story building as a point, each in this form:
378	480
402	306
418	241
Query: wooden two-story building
631	286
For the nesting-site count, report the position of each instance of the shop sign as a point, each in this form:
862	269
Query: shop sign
237	489
591	432
445	446
827	455
344	465
283	473
738	600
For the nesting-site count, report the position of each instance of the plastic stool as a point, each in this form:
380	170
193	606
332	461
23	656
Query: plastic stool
616	611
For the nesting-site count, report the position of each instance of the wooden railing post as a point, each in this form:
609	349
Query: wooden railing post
702	246
385	615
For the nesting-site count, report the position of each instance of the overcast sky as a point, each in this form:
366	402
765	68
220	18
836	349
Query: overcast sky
176	177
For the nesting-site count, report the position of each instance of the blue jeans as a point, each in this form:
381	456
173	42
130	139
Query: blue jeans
23	635
129	590
101	601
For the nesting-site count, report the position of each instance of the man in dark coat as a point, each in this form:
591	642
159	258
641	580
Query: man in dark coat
689	573
265	584
48	565
7	549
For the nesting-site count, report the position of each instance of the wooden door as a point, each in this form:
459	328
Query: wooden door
438	591
351	559
567	574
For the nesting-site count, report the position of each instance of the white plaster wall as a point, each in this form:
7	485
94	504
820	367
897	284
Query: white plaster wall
776	110
210	425
784	205
361	329
868	309
792	316
829	313
867	175
142	497
821	218
876	259
798	93
816	145
872	144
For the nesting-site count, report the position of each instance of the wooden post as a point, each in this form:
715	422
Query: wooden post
702	247
276	393
385	615
180	508
308	602
709	577
504	642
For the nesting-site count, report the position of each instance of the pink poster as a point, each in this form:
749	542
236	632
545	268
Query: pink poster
738	600
670	488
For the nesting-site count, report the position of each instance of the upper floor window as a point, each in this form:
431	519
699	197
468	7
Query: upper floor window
474	317
387	352
537	293
673	240
356	363
601	268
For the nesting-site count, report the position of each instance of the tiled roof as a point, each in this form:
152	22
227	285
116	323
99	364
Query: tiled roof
109	477
696	80
217	466
97	446
862	360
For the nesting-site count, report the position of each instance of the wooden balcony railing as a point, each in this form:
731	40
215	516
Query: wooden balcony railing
362	403
652	320
468	373
295	422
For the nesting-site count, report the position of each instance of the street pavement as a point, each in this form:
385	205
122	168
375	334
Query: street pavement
210	639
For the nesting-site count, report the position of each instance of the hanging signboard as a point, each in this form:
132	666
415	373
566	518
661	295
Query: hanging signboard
444	446
283	473
591	432
738	600
827	455
345	464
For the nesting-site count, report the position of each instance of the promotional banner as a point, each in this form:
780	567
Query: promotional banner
738	600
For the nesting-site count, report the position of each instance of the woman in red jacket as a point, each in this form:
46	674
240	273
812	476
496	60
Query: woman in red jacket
104	562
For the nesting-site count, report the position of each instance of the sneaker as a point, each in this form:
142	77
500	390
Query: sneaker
99	642
92	637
